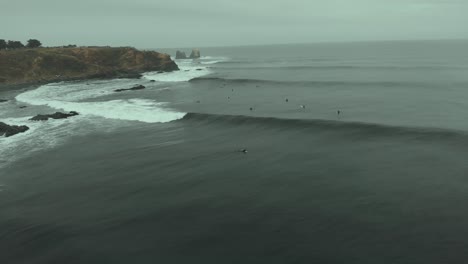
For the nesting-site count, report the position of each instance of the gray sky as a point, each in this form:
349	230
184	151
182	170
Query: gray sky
198	23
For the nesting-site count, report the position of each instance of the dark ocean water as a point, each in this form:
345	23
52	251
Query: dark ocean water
156	176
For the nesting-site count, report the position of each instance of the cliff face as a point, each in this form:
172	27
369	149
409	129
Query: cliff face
56	64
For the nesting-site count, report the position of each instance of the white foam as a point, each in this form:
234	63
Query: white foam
210	62
67	97
132	109
40	136
44	135
185	74
189	69
73	91
215	58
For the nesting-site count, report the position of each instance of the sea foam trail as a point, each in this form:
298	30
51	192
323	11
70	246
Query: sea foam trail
189	69
40	136
69	98
187	72
46	135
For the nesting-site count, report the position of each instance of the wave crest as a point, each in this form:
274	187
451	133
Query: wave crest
309	83
360	129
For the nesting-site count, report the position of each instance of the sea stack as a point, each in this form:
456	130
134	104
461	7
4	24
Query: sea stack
195	54
180	55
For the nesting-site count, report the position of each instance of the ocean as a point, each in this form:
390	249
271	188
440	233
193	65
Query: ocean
354	153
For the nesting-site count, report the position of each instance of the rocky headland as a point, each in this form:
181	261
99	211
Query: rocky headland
43	65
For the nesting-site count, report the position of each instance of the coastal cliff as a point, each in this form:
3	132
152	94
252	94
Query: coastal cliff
59	64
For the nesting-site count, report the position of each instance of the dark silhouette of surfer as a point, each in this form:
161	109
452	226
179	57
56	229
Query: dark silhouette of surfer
338	112
243	151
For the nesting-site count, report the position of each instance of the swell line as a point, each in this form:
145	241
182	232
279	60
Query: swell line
350	67
361	128
310	83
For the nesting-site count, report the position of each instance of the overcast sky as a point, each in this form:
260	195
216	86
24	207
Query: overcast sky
198	23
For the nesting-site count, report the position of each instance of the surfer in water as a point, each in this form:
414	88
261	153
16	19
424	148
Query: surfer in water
243	151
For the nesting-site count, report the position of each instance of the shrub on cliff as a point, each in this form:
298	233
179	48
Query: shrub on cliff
3	44
33	43
13	44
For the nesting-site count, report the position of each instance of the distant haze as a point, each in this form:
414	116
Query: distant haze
189	23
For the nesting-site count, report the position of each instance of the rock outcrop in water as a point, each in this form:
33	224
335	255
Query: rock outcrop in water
8	131
42	65
56	115
138	87
180	55
195	54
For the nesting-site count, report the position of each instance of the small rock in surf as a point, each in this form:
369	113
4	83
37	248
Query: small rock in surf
138	87
56	115
8	131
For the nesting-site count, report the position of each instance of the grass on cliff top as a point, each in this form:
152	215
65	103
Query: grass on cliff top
48	50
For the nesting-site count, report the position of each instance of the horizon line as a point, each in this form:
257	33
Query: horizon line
315	42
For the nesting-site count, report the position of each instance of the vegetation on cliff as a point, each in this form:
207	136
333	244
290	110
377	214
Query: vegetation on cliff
57	64
14	44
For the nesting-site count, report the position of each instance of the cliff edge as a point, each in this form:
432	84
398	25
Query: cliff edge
60	64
